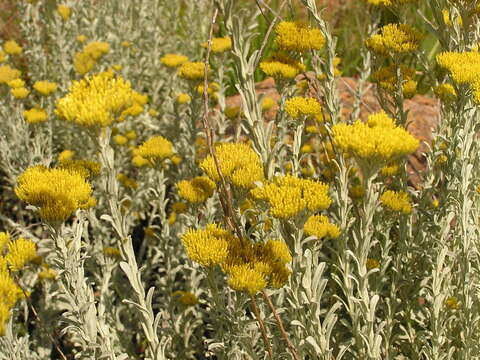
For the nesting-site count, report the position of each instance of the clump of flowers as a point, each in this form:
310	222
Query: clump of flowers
298	106
281	66
464	68
389	3
192	70
298	36
35	115
183	98
321	227
185	298
387	79
11	47
20	92
396	201
86	168
239	164
56	192
219	45
8	74
375	143
249	266
85	60
96	100
155	149
394	39
445	92
20	253
64	11
45	88
173	60
289	196
197	190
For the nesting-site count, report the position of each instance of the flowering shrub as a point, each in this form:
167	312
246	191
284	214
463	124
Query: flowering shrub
146	215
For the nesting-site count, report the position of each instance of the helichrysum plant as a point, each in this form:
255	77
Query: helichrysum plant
157	202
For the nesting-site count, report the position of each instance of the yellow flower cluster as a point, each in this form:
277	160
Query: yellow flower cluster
64	11
45	88
394	39
239	164
445	92
86	168
35	115
20	253
192	70
16	83
10	293
96	100
464	68
173	60
85	60
389	3
250	266
8	74
387	79
397	201
126	181
289	196
197	190
155	149
321	227
298	106
209	246
298	36
183	98
219	45
11	47
378	141
281	66
57	192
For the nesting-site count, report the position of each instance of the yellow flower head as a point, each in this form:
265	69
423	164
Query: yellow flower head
281	66
390	3
120	139
45	88
377	141
298	107
57	192
192	70
173	60
16	83
239	164
155	149
321	227
288	196
66	155
64	11
20	252
445	92
396	201
183	98
197	190
246	278
82	39
35	115
8	74
464	68
112	252
387	79
298	36
85	60
96	100
394	39
20	93
372	264
9	293
209	246
11	47
86	168
219	45
4	240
